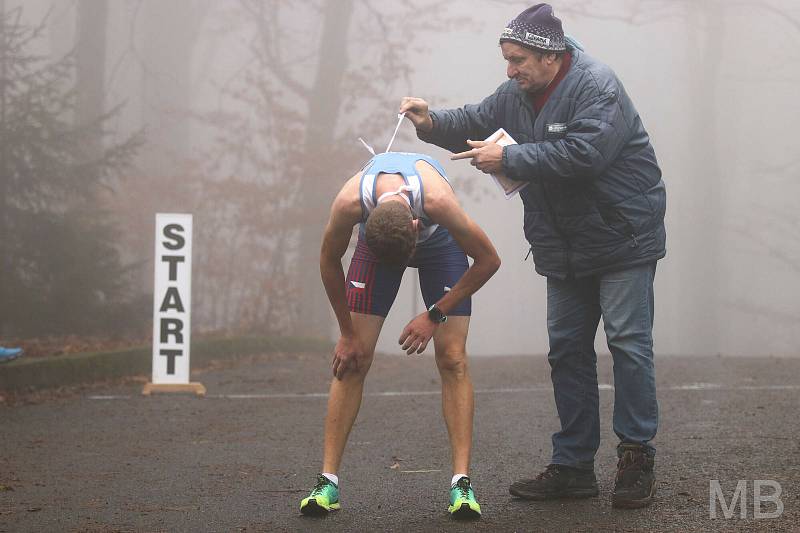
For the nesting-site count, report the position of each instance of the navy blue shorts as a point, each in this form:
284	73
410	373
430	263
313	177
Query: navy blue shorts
372	287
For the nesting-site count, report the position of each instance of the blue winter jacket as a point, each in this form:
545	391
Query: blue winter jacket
596	200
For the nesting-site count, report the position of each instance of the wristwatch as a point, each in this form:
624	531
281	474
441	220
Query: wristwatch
436	315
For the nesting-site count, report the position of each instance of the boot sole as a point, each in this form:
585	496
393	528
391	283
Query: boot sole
573	494
635	504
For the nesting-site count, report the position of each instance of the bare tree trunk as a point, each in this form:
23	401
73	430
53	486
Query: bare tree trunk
5	257
168	40
165	35
319	185
90	62
703	265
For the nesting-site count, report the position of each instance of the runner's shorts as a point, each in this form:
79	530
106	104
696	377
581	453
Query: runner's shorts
372	287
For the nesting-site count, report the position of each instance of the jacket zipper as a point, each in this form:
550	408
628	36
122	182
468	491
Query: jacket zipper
634	241
570	273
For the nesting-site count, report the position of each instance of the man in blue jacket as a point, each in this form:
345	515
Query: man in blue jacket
594	217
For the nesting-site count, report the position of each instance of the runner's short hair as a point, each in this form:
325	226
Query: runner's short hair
390	234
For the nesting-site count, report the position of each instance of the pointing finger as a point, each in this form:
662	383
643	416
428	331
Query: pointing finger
463	155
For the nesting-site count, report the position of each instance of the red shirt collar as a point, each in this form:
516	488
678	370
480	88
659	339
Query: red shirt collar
540	99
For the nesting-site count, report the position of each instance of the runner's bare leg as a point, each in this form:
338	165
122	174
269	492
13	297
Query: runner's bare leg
457	402
345	395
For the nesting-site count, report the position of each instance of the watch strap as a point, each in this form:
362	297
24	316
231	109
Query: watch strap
436	314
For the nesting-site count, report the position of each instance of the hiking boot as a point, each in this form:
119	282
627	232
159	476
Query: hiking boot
557	481
635	484
322	500
462	501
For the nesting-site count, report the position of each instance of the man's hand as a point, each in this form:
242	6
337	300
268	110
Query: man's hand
416	110
417	333
346	356
486	157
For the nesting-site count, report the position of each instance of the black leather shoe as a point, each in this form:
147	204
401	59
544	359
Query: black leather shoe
635	484
557	481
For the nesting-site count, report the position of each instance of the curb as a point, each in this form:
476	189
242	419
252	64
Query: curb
51	372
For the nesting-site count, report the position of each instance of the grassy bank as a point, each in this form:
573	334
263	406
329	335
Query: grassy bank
75	369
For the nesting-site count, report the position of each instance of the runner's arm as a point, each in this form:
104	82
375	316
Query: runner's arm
344	215
472	240
446	211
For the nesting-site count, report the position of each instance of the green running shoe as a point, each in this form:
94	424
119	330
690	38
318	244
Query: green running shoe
322	500
462	501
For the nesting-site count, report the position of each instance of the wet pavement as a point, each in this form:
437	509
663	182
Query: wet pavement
108	459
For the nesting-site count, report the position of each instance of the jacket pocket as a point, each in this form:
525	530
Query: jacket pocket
619	223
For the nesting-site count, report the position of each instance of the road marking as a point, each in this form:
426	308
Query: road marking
541	388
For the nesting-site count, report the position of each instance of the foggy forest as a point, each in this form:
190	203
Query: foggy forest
247	114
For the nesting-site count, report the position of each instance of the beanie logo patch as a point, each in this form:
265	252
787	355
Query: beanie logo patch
534	39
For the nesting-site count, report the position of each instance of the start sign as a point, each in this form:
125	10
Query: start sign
172	299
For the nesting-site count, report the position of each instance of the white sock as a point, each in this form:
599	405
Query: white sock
455	479
333	477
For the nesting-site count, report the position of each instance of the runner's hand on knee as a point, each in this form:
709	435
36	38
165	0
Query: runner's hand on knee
417	334
346	356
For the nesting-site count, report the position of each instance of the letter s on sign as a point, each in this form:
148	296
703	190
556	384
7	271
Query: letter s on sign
173	232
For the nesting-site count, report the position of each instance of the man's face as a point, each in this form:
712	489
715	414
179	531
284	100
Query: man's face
532	71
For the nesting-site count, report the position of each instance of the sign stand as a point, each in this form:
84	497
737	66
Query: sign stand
193	386
172	306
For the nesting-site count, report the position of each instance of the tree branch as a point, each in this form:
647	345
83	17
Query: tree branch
270	58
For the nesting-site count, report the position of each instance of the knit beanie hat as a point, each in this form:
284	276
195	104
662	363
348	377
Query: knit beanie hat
536	28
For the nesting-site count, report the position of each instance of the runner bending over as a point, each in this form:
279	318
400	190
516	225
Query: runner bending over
408	216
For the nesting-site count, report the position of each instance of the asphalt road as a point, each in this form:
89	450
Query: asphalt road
108	459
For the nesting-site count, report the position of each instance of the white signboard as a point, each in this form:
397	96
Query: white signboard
172	298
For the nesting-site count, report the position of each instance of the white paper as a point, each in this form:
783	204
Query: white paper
507	185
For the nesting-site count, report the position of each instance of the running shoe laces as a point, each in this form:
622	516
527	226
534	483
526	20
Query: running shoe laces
463	487
319	488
